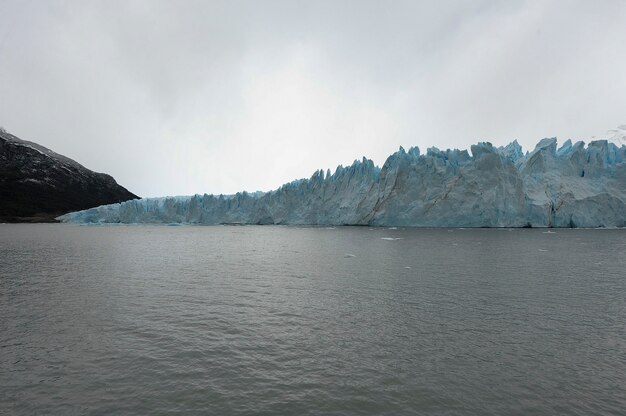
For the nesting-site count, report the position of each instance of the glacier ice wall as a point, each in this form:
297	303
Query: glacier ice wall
574	186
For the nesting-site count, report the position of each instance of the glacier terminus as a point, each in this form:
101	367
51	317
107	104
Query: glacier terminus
576	185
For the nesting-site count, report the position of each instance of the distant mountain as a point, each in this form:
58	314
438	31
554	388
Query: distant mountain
37	184
618	135
574	186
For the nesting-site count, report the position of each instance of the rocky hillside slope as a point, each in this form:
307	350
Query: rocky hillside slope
37	184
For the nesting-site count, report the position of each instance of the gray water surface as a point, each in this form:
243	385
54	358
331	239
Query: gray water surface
293	321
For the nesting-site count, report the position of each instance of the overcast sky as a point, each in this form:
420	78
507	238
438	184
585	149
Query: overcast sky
182	97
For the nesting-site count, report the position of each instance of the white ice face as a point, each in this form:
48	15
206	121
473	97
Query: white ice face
574	186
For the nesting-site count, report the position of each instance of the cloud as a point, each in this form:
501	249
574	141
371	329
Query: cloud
196	96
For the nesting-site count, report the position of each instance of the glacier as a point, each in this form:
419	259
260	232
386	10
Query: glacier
576	185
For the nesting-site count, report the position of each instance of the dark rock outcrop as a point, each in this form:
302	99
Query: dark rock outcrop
38	185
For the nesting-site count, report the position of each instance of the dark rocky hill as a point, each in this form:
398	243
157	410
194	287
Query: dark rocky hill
37	184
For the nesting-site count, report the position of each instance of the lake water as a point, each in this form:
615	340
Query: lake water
293	321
